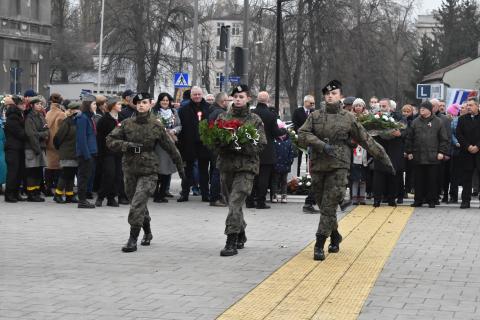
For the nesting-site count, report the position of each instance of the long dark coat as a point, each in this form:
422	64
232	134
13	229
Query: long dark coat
189	144
468	134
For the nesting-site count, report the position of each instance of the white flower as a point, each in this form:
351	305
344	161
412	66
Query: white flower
308	184
391	119
377	116
384	117
309	176
300	183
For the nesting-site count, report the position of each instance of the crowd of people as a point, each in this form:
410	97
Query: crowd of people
48	144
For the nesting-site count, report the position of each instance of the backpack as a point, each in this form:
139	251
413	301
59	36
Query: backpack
58	138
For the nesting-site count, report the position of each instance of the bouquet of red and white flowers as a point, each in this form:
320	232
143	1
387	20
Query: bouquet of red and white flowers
224	133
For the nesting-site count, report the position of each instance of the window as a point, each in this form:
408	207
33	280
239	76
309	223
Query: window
220	54
15	77
34	76
236	29
218	81
219	27
35	9
34	28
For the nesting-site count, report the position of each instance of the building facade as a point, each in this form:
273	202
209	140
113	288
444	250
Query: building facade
25	41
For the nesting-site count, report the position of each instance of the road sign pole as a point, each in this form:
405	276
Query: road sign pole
227	61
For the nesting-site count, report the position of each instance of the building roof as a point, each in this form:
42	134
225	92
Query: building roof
440	73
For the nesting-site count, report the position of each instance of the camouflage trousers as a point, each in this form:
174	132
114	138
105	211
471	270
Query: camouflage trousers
329	190
139	189
236	186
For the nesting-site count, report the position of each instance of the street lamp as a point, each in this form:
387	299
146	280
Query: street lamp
277	55
101	48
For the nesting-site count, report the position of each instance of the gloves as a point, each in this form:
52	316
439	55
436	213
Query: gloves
329	150
134	147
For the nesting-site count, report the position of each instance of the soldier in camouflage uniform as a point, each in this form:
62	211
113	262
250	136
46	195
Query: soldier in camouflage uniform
136	137
329	133
238	169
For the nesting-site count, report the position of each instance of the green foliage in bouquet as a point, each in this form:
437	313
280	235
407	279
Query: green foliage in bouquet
228	132
379	122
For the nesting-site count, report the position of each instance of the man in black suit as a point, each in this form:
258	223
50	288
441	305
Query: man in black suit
268	156
298	118
468	135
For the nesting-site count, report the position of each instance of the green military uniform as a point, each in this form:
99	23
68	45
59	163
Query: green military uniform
137	137
238	169
335	127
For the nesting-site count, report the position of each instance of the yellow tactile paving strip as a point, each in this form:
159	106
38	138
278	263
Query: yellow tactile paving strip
335	288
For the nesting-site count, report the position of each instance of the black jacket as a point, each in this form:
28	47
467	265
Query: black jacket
271	132
298	118
104	126
14	129
394	147
425	139
189	144
468	134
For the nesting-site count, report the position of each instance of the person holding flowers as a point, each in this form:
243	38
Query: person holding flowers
238	137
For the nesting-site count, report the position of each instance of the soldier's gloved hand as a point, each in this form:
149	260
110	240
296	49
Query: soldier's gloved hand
134	147
329	150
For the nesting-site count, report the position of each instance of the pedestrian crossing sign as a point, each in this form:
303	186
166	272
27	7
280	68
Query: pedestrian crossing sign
180	80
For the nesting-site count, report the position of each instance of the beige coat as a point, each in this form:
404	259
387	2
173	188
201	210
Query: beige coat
54	117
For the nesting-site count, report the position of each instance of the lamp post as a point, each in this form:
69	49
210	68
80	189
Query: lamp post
277	54
246	54
195	44
101	48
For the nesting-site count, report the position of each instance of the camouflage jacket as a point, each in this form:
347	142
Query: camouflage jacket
338	128
145	130
247	159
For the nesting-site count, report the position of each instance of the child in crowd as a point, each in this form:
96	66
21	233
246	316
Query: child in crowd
285	153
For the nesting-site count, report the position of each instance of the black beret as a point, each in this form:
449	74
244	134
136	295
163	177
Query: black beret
332	85
240	88
141	96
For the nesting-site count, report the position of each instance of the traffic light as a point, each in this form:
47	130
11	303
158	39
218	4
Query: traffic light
238	66
223	39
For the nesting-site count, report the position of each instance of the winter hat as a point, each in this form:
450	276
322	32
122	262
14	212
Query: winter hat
427	105
454	109
30	93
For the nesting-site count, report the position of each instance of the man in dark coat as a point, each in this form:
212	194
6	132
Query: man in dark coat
128	108
468	135
190	146
267	156
426	145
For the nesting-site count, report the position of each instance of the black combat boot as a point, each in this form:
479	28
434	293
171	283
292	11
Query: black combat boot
231	246
84	204
147	233
131	244
242	238
335	239
318	253
34	196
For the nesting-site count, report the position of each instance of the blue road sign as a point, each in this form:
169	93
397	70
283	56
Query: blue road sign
424	91
180	80
231	79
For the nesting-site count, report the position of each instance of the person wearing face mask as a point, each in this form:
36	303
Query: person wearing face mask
329	134
136	138
166	113
238	170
